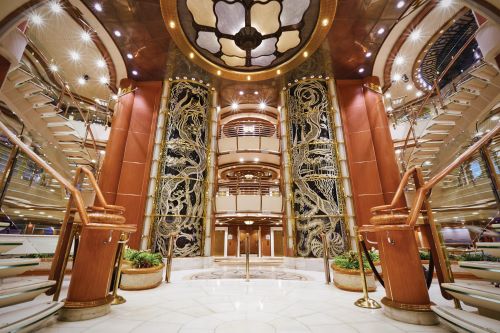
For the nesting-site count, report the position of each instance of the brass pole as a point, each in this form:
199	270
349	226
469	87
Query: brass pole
117	299
170	253
364	302
247	257
324	239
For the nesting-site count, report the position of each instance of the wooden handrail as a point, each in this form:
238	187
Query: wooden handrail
398	194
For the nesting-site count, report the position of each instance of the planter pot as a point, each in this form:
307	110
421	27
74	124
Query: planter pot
350	279
141	278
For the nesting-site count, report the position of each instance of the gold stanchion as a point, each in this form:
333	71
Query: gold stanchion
117	299
171	242
325	258
247	257
364	302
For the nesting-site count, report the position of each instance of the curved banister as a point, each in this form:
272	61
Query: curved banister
398	194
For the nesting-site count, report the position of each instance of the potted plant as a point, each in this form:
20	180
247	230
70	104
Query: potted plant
141	270
346	272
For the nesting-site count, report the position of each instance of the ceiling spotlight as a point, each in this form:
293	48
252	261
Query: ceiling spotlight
81	80
171	24
409	87
98	7
249	77
17	212
388	95
306	54
380	31
134	72
324	22
219	73
399	60
114	97
234	106
242	159
130	56
103	80
191	55
41	213
53	68
400	4
262	105
248	222
419	93
241	92
361	70
396	77
85	36
368	54
101	63
445	3
256	159
36	19
278	71
55	7
256	92
494	118
75	56
427	163
117	33
389	109
415	35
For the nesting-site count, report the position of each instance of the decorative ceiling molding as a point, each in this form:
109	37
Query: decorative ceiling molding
230	49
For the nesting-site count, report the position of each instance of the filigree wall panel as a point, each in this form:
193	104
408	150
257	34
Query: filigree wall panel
180	192
318	199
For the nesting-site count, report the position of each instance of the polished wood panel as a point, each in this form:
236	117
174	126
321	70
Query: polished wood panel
278	243
219	240
265	241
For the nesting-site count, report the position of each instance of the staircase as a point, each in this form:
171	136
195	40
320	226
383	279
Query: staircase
483	295
471	96
19	309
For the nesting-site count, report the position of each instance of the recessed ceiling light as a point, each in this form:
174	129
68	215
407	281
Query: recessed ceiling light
16	212
42	213
324	22
419	93
53	68
445	3
103	80
81	81
172	24
306	54
242	159
249	77
256	159
134	72
55	7
85	36
389	109
191	55
361	70
36	19
415	35
409	87
262	105
400	4
368	54
49	216
117	33
98	7
101	63
380	31
130	56
396	77
256	92
388	95
399	60
234	106
74	55
219	72
241	92
278	71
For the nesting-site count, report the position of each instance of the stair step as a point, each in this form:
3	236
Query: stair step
495	227
19	75
17	266
484	71
426	151
465	94
448	115
66	136
491	248
431	143
487	270
53	117
22	291
61	126
6	246
28	317
456	105
484	297
45	108
464	321
435	135
39	99
474	83
4	225
29	87
440	125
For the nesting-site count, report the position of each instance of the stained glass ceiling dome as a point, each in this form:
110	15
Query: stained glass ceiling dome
248	39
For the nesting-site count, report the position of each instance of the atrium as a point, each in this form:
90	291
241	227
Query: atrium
250	166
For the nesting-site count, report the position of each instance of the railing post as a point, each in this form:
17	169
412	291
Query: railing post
7	174
326	263
117	299
171	242
247	257
365	301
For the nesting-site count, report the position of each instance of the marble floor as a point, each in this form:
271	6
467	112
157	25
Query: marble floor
237	306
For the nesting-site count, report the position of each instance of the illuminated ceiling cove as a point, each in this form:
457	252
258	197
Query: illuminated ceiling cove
238	38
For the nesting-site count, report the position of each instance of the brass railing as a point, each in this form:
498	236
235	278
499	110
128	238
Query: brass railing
421	203
75	204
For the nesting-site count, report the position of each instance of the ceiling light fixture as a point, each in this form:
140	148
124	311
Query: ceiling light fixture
306	54
98	7
55	7
255	92
361	70
241	92
101	63
262	105
409	87
445	3
242	159
53	68
234	106
368	54
324	22
74	55
191	55
130	56
117	33
380	31
219	73
134	72
278	71
17	212
388	95
249	77
85	36
400	4
171	24
36	19
396	77
103	80
415	35
248	222
399	60
256	159
419	93
81	81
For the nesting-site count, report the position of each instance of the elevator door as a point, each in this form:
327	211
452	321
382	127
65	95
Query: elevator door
219	243
254	241
278	243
